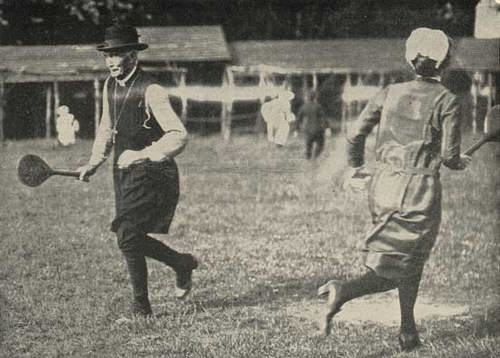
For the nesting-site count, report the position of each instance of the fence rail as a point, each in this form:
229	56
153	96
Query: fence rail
218	119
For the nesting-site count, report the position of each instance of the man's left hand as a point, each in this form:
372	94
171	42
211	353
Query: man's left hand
129	157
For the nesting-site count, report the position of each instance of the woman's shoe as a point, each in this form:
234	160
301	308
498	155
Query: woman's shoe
141	307
408	341
333	305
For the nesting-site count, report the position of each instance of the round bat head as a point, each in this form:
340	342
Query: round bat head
492	124
32	170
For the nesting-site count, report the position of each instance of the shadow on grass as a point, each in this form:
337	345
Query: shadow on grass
385	352
290	290
480	326
486	324
3	317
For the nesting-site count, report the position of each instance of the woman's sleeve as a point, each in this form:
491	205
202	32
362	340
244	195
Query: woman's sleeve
368	119
103	142
450	133
174	140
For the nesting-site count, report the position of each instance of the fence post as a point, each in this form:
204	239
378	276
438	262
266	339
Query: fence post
184	99
97	105
57	102
345	105
226	120
475	94
491	93
2	93
305	87
48	110
315	81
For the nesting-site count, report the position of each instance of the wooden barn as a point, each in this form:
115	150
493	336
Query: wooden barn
35	80
349	71
222	83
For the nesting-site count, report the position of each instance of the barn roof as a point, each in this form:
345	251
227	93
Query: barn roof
356	54
67	62
185	43
26	62
207	43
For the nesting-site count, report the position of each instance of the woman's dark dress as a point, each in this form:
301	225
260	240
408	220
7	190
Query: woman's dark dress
418	130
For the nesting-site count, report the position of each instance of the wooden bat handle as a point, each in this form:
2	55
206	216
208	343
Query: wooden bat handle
490	137
67	173
476	145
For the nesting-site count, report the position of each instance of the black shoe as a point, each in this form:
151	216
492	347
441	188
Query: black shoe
408	341
141	308
184	272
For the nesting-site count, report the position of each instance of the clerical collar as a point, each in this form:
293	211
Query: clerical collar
123	82
436	78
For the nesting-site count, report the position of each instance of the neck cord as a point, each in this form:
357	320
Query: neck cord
116	118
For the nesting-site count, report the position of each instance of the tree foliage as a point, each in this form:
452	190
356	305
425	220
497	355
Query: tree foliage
83	21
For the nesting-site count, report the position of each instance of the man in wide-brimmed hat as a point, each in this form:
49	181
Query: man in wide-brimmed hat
146	134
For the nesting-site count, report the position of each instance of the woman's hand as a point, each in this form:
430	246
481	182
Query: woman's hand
464	161
86	171
129	157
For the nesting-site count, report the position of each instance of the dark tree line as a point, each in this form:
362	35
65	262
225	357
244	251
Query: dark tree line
82	21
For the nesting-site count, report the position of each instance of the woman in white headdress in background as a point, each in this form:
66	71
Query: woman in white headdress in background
277	113
66	126
418	131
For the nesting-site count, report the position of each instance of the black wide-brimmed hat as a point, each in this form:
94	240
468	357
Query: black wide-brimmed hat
121	37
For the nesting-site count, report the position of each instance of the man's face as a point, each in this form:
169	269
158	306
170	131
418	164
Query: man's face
120	63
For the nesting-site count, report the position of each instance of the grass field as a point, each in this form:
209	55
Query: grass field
269	228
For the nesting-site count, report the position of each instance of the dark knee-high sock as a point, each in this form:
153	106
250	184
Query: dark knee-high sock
130	244
408	292
366	284
138	273
159	251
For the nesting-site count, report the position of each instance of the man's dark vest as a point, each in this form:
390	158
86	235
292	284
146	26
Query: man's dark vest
135	130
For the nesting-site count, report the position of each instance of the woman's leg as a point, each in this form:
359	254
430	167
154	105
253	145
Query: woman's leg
270	130
342	292
320	143
408	292
309	145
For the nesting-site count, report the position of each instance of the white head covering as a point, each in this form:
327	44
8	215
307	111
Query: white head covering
62	110
427	42
286	95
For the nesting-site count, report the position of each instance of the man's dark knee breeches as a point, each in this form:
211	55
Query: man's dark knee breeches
130	239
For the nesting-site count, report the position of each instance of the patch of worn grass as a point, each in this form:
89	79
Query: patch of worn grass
269	227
